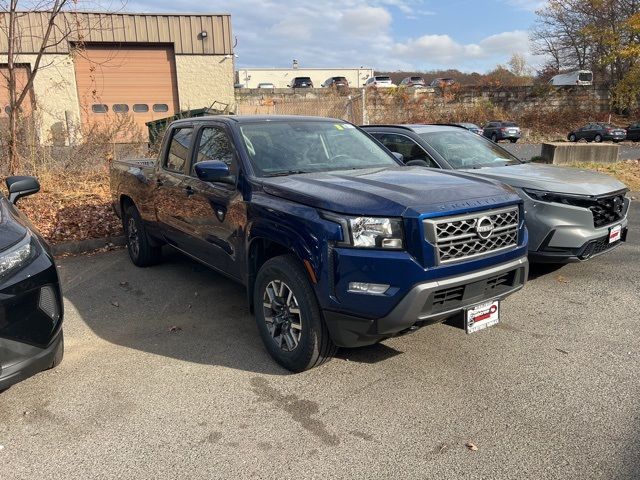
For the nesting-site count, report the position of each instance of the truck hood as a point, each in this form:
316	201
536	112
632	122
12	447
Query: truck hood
392	191
553	179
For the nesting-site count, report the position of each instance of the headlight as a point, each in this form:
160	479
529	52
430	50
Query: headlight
16	257
375	232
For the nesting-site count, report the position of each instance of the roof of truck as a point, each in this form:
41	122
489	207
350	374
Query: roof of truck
257	118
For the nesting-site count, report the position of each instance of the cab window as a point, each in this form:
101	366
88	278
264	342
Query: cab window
215	144
179	149
409	149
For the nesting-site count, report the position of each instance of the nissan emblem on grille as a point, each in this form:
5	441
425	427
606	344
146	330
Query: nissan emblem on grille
474	234
484	227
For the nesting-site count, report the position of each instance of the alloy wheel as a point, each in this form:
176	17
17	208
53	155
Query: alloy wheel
133	239
282	315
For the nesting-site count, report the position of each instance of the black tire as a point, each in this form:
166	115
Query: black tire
57	358
597	138
573	138
141	251
494	138
312	343
513	140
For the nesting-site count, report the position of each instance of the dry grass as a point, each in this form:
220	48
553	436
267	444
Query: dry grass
628	171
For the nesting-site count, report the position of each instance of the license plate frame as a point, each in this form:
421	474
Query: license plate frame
481	316
615	234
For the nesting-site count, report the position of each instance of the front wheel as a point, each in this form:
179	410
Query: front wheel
572	138
288	316
141	251
598	138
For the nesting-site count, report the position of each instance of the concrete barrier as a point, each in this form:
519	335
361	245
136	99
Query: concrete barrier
561	153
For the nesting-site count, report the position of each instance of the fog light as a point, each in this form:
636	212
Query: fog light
48	304
369	288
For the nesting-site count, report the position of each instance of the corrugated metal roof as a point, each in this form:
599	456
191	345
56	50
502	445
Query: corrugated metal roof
78	27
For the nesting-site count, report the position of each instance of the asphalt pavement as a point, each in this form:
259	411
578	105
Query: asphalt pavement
165	376
525	151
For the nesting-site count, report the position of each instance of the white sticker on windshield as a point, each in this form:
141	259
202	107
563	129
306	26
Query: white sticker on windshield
347	125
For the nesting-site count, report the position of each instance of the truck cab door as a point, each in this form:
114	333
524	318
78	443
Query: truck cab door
217	215
170	195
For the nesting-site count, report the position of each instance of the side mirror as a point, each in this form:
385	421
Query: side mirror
212	171
21	186
398	156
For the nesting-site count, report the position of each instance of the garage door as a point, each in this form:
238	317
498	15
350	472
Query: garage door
122	86
21	81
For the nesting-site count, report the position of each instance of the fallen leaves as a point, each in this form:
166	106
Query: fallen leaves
175	329
562	279
115	303
471	446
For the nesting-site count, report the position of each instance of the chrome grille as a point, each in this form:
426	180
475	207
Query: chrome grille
463	236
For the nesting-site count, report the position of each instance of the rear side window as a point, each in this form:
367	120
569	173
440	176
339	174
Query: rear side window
179	149
509	124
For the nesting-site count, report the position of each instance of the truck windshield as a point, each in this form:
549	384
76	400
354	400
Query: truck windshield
468	150
288	147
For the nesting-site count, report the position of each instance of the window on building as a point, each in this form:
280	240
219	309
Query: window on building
160	107
179	149
120	108
140	107
99	108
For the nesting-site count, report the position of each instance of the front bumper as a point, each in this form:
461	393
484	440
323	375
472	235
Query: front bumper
560	233
429	302
21	361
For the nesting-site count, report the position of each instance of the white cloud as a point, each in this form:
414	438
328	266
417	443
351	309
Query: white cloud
365	20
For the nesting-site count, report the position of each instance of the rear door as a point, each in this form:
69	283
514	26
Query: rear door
170	196
216	211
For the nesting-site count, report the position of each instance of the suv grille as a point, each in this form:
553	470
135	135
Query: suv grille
479	233
607	210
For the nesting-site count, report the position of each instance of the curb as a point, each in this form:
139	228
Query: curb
84	246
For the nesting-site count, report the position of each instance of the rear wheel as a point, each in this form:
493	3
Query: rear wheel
597	138
288	316
141	251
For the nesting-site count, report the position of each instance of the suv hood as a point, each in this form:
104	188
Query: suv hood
552	178
393	191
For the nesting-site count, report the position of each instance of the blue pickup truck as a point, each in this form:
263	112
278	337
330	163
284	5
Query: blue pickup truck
337	242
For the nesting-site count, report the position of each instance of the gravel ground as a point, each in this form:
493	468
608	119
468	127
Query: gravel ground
628	151
165	377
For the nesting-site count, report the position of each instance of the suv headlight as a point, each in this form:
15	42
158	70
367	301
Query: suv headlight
17	257
370	232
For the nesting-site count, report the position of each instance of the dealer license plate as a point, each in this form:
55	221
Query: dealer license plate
482	316
614	233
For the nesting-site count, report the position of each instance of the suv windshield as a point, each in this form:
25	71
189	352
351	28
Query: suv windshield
468	150
289	147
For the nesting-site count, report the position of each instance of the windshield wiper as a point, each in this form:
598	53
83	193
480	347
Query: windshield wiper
286	173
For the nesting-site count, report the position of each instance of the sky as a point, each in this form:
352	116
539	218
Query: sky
381	34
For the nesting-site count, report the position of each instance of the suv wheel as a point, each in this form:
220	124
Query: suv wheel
572	138
288	317
513	140
141	251
494	137
598	138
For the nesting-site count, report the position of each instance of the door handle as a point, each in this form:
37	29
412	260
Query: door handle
189	190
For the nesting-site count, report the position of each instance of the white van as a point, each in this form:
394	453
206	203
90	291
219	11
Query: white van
578	77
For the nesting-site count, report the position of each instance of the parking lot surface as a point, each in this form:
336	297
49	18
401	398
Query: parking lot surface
165	377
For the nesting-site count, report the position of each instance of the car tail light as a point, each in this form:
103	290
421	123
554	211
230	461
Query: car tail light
503	129
609	130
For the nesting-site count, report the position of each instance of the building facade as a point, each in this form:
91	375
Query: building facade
282	77
100	69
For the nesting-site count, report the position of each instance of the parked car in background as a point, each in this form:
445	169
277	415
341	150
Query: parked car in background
379	81
336	82
498	130
633	132
472	127
337	242
598	132
301	82
571	214
416	82
577	77
266	85
31	338
442	82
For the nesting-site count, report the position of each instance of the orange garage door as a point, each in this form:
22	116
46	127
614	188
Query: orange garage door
21	80
124	85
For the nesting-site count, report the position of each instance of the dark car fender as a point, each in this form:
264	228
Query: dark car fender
278	227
